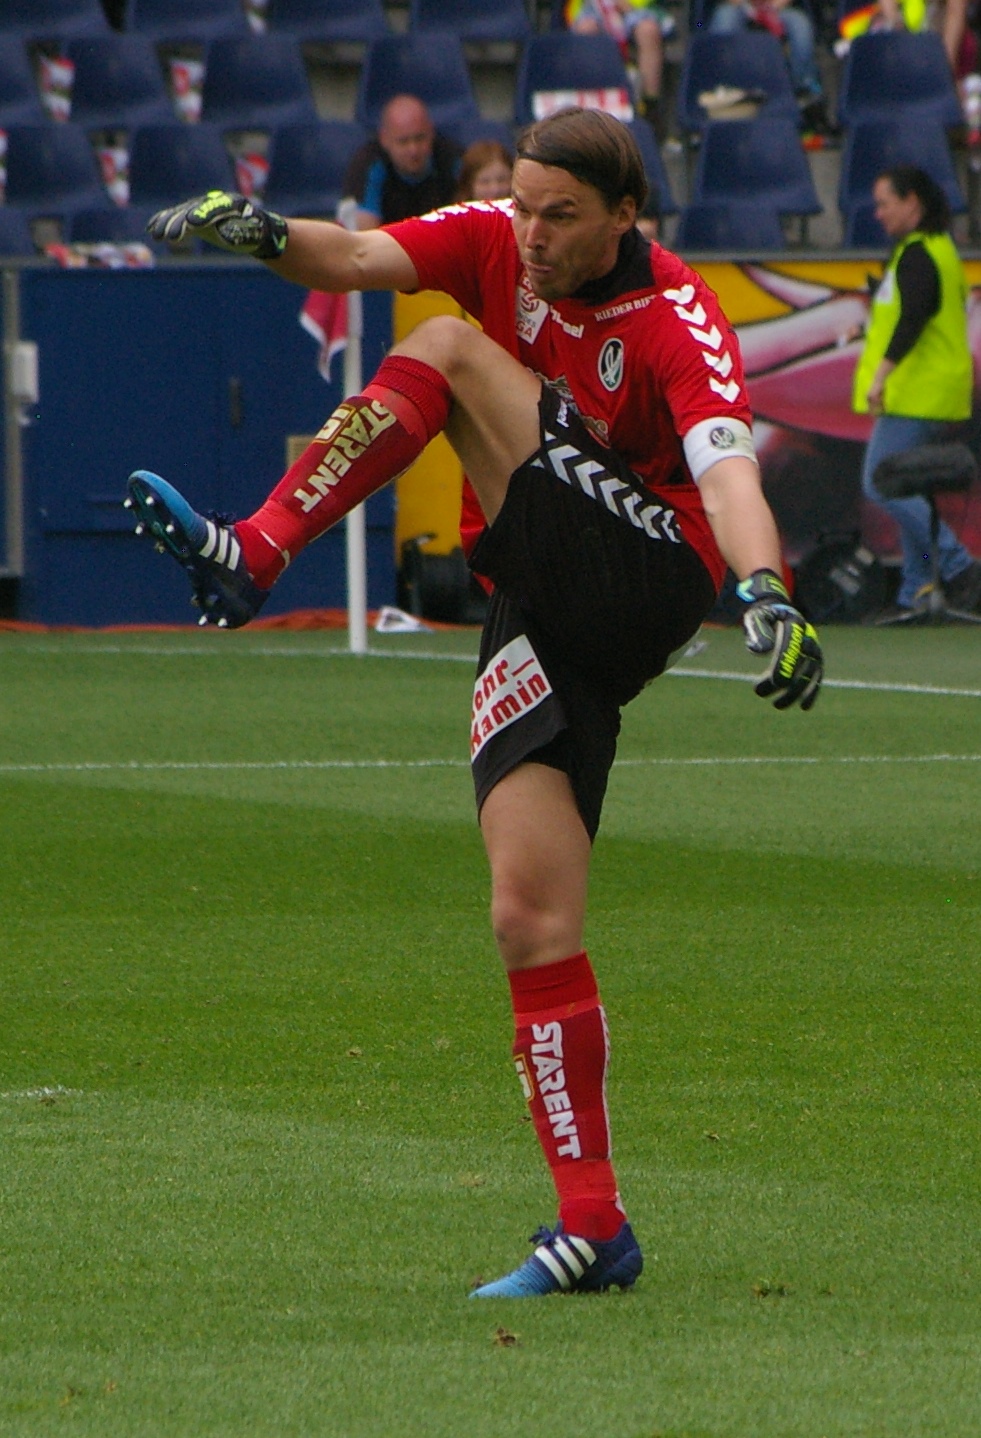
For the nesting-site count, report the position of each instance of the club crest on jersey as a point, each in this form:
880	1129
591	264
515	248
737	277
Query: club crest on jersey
610	365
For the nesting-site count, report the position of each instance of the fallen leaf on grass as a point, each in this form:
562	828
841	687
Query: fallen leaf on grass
504	1339
713	1137
355	1053
471	1180
766	1289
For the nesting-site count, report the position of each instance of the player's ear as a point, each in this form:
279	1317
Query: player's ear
626	214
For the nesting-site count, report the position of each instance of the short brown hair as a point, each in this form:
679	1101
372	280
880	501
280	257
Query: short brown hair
594	147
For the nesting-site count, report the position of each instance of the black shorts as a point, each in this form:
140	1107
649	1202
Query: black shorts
595	589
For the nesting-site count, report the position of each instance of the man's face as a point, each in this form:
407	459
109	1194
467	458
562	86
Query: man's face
565	233
406	136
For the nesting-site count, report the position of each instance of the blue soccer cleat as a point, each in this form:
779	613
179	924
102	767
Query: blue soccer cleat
207	548
564	1263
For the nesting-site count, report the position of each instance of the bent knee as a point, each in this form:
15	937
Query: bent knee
528	931
442	341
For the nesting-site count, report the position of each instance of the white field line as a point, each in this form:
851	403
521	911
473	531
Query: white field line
137	766
186	651
56	1091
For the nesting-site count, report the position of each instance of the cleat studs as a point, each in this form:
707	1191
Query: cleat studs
160	548
127	504
202	621
149	501
170	528
140	529
223	623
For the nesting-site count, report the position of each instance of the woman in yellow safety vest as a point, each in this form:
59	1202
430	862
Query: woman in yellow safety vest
915	372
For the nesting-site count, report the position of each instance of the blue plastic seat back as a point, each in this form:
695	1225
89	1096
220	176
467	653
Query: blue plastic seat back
876	145
114	225
432	66
170	163
560	60
118	83
307	165
53	19
15	232
256	81
749	60
329	20
20	103
863	231
202	20
895	71
759	160
737	225
657	175
52	168
479	20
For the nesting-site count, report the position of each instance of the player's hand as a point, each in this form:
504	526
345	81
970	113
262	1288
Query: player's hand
773	626
225	219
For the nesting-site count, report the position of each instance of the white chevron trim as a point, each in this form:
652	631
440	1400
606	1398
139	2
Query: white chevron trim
554	1267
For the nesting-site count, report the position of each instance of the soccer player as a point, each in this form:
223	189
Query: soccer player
602	420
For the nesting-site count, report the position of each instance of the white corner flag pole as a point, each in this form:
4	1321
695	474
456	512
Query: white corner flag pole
357	558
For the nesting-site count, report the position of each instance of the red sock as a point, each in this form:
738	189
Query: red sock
367	441
560	1051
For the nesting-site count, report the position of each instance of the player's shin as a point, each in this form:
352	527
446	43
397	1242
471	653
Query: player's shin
561	1050
367	441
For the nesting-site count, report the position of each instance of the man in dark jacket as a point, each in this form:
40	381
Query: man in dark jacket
407	170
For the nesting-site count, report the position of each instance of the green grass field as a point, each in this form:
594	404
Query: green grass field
259	1128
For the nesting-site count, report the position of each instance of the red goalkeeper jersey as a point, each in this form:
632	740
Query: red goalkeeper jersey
645	354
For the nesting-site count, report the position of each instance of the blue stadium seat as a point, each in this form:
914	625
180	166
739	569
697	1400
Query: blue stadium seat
115	225
15	232
863	231
480	20
751	60
894	72
736	225
432	66
875	145
256	82
657	175
53	19
169	163
118	83
307	164
560	60
329	20
20	103
175	20
52	169
761	160
474	127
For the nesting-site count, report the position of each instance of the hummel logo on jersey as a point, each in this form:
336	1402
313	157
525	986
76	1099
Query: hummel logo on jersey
610	364
713	354
351	428
512	684
622	499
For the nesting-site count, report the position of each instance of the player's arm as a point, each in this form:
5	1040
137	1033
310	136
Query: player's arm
314	253
746	533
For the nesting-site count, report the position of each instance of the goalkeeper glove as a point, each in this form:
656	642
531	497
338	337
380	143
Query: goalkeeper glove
773	626
224	219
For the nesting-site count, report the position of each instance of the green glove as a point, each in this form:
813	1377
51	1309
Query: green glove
227	220
773	626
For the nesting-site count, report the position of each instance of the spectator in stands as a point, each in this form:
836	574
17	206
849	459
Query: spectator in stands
485	172
794	28
405	170
915	373
636	25
649	217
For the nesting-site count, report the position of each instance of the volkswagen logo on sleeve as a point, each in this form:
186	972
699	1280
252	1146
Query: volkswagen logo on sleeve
610	364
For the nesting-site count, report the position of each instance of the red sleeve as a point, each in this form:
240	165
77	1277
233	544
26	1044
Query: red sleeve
452	248
700	367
